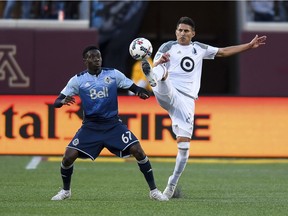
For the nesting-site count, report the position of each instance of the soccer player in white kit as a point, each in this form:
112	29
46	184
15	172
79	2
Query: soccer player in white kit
175	78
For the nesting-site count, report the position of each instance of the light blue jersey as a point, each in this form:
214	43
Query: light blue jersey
98	93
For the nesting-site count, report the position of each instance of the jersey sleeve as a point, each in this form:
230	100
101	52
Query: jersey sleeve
72	87
210	50
122	81
163	49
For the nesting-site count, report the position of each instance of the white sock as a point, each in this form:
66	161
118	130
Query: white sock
159	72
181	161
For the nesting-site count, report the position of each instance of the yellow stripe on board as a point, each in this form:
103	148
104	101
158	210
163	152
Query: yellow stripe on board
172	160
99	159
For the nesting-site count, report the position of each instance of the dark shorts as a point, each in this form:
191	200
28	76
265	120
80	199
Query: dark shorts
92	137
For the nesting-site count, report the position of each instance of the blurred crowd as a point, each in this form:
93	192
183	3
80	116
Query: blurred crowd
112	19
258	10
12	9
268	11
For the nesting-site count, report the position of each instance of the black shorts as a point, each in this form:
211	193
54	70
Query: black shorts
92	137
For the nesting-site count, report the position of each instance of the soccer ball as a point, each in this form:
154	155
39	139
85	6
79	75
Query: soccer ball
140	48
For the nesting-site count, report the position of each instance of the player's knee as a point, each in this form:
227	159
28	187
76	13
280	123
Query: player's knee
183	139
69	157
66	161
137	151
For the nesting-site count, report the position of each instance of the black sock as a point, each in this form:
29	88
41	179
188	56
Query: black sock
66	173
146	169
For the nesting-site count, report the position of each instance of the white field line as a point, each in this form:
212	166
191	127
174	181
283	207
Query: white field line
34	162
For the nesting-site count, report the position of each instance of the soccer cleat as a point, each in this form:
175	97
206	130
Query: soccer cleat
146	68
62	194
157	195
169	191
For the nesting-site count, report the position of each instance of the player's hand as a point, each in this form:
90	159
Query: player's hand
163	59
257	41
143	93
68	100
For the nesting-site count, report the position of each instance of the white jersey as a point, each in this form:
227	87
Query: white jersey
185	65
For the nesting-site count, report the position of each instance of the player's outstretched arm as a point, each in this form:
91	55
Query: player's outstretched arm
232	50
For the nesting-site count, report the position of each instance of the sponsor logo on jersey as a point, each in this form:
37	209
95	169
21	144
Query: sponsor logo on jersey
99	94
187	64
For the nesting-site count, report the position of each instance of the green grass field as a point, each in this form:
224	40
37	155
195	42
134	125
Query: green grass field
118	188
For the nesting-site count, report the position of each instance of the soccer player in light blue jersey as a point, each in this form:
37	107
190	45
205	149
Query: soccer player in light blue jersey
101	128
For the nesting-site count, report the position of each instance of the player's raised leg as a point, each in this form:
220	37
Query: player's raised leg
158	73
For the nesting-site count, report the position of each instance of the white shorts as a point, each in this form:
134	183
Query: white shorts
181	108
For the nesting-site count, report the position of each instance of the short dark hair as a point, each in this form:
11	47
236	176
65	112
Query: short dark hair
187	21
87	49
